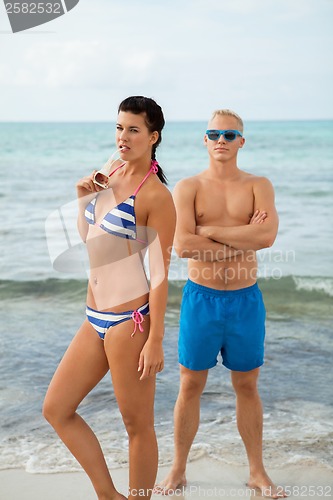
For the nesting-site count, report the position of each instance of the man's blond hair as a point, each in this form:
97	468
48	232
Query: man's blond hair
228	112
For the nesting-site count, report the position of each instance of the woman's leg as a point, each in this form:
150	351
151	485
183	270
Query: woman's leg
136	403
82	367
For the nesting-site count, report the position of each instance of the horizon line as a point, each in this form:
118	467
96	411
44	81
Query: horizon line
178	120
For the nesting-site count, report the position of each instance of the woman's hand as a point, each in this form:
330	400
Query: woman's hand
151	360
87	186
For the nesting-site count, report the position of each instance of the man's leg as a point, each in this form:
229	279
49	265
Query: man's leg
250	425
186	423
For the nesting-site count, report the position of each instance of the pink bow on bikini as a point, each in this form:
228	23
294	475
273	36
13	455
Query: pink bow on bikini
138	319
154	166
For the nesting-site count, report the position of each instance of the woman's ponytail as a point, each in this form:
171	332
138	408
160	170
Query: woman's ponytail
160	174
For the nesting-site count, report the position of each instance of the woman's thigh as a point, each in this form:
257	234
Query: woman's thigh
83	365
135	397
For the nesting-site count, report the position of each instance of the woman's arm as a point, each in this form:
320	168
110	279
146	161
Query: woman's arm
85	190
161	227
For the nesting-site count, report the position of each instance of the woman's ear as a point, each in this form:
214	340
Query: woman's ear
154	137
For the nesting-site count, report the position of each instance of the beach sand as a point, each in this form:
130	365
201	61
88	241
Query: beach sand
207	478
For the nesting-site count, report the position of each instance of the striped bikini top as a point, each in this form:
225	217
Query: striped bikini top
120	221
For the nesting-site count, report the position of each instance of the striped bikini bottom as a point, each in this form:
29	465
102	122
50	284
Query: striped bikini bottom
102	321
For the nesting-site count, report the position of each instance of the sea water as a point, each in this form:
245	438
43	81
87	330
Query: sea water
41	309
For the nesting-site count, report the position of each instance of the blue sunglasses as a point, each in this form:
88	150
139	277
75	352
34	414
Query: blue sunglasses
229	135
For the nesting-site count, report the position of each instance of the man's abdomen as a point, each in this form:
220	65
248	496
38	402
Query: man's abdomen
233	274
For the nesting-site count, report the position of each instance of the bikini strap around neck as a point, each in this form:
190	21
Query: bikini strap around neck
153	170
115	170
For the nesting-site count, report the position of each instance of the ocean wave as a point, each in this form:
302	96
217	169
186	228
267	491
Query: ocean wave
298	437
42	288
285	298
312	284
312	287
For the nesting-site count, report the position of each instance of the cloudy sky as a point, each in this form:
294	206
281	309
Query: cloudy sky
267	59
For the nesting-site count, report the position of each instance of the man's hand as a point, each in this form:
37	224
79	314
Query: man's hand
202	231
206	231
258	217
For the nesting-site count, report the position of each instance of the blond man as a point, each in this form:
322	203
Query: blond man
223	216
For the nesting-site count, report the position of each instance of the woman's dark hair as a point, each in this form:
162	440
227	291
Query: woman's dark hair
154	120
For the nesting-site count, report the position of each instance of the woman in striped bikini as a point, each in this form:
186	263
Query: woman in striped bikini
124	327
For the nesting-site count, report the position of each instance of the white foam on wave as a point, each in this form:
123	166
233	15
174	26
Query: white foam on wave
306	460
295	432
314	284
46	454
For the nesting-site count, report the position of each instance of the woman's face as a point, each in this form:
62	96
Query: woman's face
133	136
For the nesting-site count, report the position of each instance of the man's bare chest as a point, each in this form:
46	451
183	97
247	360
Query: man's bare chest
227	206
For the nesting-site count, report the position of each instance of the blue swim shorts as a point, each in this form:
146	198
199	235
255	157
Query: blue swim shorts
231	322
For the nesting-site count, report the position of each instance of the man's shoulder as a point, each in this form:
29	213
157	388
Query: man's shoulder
255	180
195	180
188	184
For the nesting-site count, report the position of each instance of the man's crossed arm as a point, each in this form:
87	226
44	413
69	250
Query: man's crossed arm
261	230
